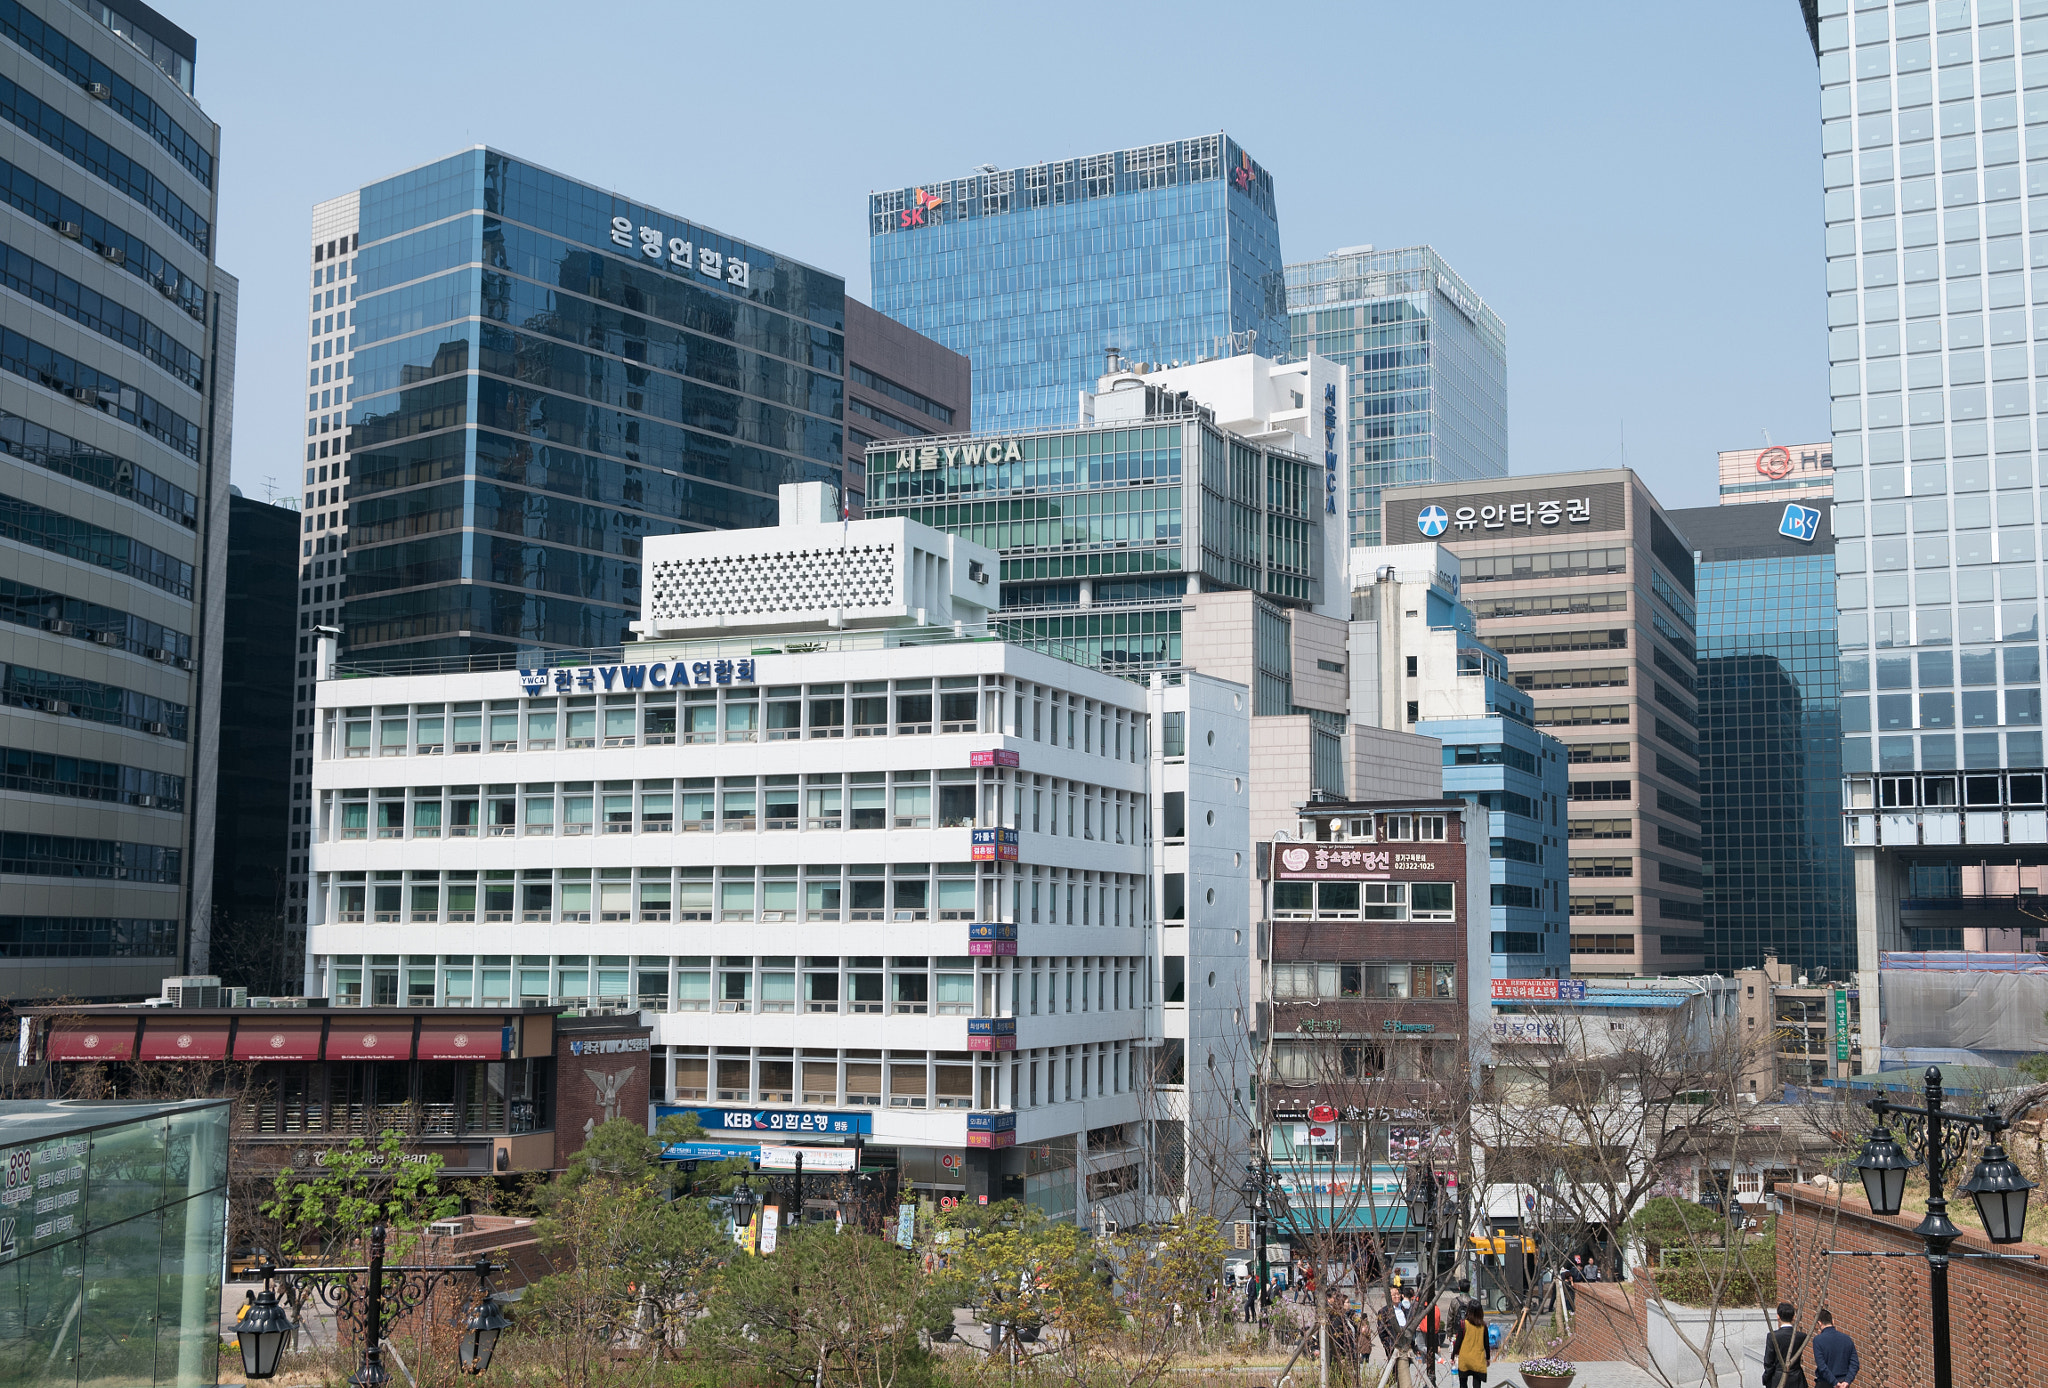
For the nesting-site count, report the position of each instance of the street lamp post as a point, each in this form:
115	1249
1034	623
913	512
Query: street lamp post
1937	1137
1261	1192
265	1329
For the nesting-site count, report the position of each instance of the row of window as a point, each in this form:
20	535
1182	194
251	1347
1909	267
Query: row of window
1938	710
428	1098
1299	980
74	697
38	772
60	614
1371	901
55	855
27	523
60	453
1987	790
1938	669
855	1078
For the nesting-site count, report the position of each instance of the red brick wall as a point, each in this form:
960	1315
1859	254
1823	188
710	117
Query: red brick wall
1996	1309
583	1082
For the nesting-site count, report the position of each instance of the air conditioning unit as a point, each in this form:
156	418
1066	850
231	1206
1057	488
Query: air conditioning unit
98	91
183	662
159	729
71	231
167	289
195	990
147	802
114	254
158	653
57	626
87	396
107	638
57	706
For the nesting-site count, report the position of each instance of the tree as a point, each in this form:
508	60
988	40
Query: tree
826	1308
360	1186
1133	1307
631	1271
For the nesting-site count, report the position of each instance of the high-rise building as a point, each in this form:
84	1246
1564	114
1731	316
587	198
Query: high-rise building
1587	592
1428	363
1937	525
1802	472
633	374
1419	666
1166	253
252	944
816	744
899	385
117	334
1778	880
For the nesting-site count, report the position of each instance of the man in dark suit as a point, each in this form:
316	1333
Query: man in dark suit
1835	1364
1782	1368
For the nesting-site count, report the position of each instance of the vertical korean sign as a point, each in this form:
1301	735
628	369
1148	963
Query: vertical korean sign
1841	1023
906	1225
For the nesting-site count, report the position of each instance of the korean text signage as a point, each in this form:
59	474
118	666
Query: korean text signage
1528	1029
992	937
1841	1024
728	1120
933	456
1344	861
991	1130
662	674
999	756
814	1158
1539	990
991	1033
1599	506
40	1201
1460	300
679	254
1330	449
995	846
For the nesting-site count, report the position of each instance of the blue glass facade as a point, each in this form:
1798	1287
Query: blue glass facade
1429	370
1777	878
1517	774
1168	252
545	373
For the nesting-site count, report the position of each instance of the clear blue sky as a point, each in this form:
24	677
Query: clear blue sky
1633	187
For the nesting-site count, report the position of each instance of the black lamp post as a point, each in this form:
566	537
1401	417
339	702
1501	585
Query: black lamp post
741	1202
1263	1197
264	1330
1937	1138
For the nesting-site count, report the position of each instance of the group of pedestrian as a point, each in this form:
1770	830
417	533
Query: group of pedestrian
1412	1335
1835	1364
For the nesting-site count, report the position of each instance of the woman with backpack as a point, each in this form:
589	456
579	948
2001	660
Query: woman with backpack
1472	1357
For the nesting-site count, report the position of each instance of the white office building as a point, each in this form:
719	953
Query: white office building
859	863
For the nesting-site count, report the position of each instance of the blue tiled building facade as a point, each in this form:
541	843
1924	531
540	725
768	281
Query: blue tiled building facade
1168	252
1777	877
544	373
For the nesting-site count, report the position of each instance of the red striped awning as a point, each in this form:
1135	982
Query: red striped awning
185	1038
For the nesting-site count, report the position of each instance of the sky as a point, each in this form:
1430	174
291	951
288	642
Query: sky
1633	188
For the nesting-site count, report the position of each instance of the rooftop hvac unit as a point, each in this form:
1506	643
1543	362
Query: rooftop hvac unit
57	626
194	990
447	1228
71	231
114	254
238	997
98	91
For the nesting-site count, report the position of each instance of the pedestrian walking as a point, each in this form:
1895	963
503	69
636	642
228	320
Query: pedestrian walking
1835	1364
1431	1326
1782	1368
1473	1357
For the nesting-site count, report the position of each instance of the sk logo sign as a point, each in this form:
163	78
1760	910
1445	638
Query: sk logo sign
921	203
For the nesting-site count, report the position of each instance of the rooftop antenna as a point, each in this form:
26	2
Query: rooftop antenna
1767	439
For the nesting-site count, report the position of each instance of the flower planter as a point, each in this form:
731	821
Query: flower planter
1547	1380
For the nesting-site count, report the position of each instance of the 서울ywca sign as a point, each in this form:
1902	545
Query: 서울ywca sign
661	674
679	254
1330	449
621	1045
933	456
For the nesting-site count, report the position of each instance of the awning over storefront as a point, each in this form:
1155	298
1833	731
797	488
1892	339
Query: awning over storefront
368	1040
480	1040
185	1038
112	1038
284	1038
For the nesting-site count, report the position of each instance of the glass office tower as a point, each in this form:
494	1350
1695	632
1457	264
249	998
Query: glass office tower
1924	112
117	369
1777	878
541	374
1429	370
1169	253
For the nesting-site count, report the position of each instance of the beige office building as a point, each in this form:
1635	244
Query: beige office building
1585	589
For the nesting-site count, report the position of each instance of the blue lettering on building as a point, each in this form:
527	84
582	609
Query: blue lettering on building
662	674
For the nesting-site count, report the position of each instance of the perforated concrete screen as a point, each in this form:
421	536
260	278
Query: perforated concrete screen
691	590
